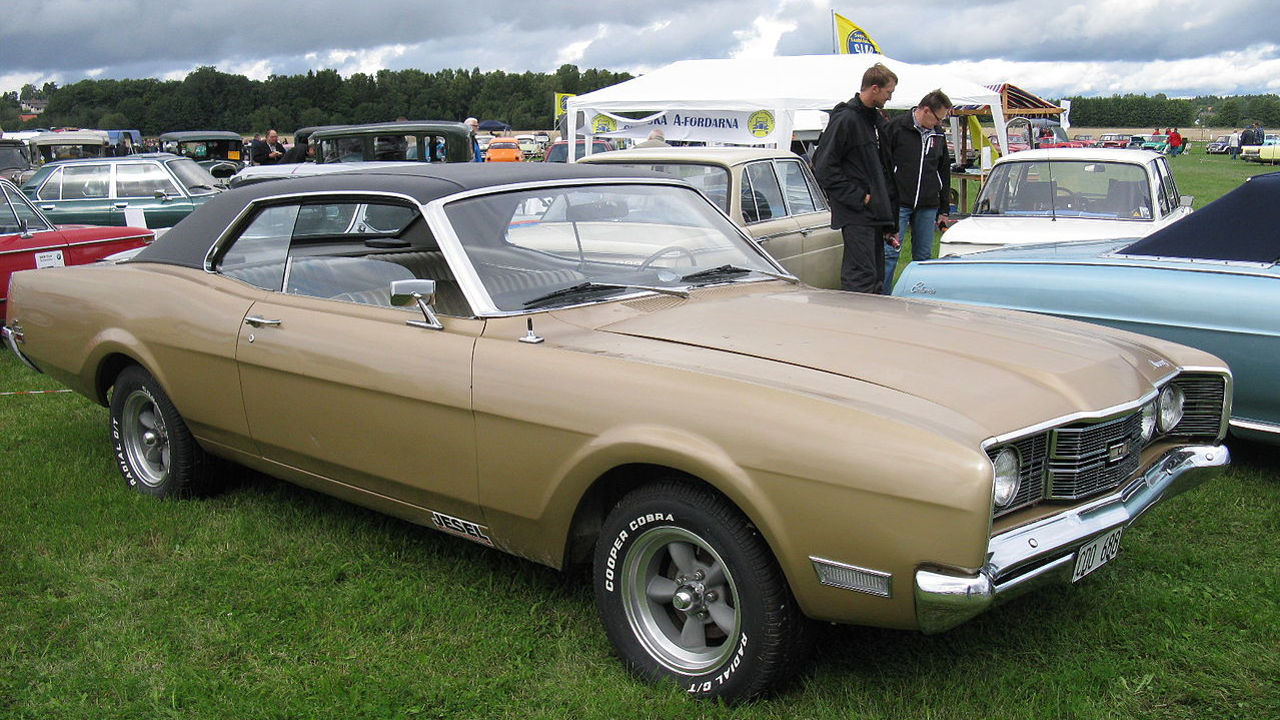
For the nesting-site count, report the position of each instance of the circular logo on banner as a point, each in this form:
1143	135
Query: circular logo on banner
760	123
564	103
603	124
858	42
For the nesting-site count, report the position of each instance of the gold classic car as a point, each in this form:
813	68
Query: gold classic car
769	192
593	365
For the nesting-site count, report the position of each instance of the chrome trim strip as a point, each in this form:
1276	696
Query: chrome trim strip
1256	426
12	343
946	598
65	246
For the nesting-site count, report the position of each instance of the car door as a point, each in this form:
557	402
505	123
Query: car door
45	247
78	193
823	246
762	210
145	189
338	387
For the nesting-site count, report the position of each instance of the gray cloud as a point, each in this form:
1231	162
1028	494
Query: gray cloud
66	40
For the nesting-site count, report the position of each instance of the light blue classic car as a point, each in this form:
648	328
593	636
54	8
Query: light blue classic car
1210	281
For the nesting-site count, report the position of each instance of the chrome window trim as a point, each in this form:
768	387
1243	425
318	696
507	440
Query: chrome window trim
1256	426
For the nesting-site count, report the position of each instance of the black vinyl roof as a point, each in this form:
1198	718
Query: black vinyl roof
1243	225
187	135
189	241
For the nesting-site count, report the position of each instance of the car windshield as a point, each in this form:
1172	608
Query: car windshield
210	149
605	238
559	152
1074	188
712	180
196	179
12	156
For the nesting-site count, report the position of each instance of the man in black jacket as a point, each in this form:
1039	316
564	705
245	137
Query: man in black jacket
922	176
852	164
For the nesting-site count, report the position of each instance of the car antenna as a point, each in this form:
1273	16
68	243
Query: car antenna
531	337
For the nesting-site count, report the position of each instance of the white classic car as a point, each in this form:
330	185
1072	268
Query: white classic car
1062	194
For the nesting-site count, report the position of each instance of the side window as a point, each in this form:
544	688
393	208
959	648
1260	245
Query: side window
52	187
136	180
258	255
1167	192
339	250
85	181
800	197
22	210
761	194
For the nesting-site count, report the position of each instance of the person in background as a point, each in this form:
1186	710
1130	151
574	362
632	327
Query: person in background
474	124
1233	144
300	152
922	178
268	151
656	139
852	165
1175	142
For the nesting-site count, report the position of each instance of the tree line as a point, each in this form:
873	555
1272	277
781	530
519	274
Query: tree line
207	99
1140	111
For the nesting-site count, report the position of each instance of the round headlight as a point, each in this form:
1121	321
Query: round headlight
1171	401
1149	420
1007	476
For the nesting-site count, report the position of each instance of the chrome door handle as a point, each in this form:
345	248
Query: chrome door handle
46	207
255	321
122	204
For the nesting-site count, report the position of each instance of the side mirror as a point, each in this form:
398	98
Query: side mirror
24	232
420	292
161	195
1186	200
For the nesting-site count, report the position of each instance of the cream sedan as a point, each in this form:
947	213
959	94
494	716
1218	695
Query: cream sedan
771	193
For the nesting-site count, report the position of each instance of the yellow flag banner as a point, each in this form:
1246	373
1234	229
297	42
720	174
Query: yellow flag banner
561	99
853	39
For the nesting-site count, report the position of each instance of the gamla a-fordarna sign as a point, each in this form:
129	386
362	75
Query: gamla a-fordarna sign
726	126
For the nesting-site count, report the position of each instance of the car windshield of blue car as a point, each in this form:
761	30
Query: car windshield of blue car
1059	189
524	245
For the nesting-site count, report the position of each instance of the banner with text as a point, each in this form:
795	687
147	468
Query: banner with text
726	126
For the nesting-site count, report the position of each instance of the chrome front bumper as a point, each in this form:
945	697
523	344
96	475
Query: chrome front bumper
1042	552
11	341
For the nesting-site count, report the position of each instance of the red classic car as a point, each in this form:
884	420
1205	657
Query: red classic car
28	240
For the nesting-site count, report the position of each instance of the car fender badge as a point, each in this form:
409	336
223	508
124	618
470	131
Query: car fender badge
461	528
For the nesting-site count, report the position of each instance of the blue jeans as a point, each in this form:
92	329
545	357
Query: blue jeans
922	222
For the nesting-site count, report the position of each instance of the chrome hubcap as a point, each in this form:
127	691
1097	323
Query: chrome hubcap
680	600
145	439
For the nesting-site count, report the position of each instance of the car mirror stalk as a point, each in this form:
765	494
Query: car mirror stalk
421	292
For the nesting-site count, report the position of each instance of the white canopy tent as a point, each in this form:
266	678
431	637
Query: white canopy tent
724	96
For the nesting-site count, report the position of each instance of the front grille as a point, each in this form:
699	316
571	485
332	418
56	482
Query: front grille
1202	411
1090	457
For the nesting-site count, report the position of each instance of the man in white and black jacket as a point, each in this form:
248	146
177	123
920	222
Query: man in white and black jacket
922	176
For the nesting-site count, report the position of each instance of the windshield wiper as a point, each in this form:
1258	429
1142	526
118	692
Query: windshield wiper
732	270
590	286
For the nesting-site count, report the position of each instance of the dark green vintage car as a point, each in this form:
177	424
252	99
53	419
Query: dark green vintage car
416	140
221	152
163	187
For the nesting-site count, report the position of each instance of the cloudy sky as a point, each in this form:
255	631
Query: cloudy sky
1054	48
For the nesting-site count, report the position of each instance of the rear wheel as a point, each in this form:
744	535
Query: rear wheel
154	449
689	592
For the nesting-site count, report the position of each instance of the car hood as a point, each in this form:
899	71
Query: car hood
1006	230
1003	370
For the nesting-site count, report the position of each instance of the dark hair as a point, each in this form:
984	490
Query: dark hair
878	75
936	101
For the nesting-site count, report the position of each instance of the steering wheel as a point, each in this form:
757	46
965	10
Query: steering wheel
1069	198
668	250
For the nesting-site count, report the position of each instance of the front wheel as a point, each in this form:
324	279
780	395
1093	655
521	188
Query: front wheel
689	592
154	450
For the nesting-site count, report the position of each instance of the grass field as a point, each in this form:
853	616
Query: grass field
269	601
